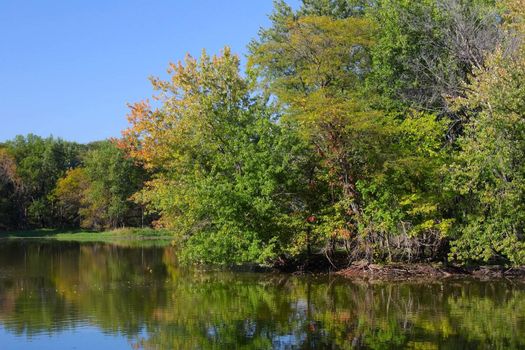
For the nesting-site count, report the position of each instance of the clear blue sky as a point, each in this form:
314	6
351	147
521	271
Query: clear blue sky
69	67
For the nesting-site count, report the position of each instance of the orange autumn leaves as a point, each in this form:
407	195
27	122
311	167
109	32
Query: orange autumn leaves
188	101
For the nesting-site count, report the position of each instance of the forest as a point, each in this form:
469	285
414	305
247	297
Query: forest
378	130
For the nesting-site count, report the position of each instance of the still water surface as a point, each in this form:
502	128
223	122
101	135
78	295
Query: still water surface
97	296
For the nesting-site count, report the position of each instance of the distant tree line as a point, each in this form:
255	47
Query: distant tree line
52	183
385	130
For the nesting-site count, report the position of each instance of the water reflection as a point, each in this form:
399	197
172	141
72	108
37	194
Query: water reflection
140	296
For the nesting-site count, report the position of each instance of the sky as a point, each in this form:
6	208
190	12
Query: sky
68	68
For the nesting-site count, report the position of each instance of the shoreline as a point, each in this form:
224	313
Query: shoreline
122	236
408	271
315	264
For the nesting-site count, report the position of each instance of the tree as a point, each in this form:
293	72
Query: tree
69	194
112	179
371	185
315	66
488	172
40	162
338	9
222	164
426	49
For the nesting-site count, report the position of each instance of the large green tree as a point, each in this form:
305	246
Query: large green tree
489	171
224	167
315	66
367	169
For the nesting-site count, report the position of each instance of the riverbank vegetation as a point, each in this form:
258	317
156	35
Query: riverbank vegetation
382	130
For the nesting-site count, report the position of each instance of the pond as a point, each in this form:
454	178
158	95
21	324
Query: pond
96	296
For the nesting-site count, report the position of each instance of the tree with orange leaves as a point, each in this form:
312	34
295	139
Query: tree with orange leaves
220	160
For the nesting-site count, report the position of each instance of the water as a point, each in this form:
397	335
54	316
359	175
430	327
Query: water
97	296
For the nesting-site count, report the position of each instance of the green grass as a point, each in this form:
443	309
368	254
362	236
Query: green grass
124	236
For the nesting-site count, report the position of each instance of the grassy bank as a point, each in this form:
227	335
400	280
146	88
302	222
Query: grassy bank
124	236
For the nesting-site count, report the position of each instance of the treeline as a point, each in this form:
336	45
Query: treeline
386	130
52	183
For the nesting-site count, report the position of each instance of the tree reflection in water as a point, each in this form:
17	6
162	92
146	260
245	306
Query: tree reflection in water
141	294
